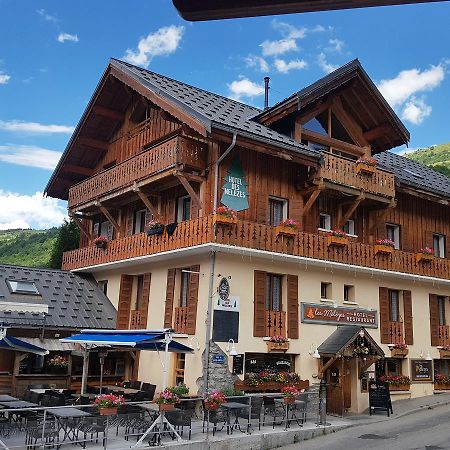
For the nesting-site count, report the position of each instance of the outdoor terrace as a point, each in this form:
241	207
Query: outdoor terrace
255	236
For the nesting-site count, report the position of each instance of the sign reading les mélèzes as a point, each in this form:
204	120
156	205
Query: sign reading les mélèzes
330	315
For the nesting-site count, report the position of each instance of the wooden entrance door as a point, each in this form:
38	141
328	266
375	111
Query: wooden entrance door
338	378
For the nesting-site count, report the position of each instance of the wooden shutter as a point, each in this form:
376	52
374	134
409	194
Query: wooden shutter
428	239
262	204
434	320
292	306
145	299
384	315
192	300
124	305
406	239
259	304
408	318
130	222
296	209
170	291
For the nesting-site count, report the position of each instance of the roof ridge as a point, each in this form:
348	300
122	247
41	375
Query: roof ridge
46	269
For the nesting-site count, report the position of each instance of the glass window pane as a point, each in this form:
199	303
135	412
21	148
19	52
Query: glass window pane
268	292
276	298
184	289
394	306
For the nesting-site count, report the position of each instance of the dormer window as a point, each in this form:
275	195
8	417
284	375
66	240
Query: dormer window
22	287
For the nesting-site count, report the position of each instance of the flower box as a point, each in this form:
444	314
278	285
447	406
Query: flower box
424	257
101	245
107	411
337	241
444	353
441	387
155	230
400	387
383	249
269	386
289	400
224	220
285	231
166	406
277	346
365	168
399	352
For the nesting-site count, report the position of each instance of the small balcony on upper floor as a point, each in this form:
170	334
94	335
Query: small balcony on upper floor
154	164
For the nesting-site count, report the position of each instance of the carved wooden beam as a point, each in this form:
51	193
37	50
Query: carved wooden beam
149	205
195	198
377	132
108	216
351	209
330	362
315	194
108	113
80	225
380	216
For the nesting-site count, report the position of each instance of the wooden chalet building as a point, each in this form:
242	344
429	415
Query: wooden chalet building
149	147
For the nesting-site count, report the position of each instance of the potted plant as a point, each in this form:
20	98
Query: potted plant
444	351
366	165
441	382
108	404
397	382
361	350
225	216
166	400
267	381
288	227
101	242
58	364
154	227
384	246
180	389
213	400
399	350
426	254
289	394
278	344
338	238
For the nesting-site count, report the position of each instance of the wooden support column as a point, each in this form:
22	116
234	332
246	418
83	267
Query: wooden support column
84	230
325	367
149	205
312	199
298	130
18	358
183	180
342	221
108	216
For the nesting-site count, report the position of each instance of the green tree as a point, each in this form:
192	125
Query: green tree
68	239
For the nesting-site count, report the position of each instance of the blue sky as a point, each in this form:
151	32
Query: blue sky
52	55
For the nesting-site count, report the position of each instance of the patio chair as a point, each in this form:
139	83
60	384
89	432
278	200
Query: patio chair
255	413
136	384
180	419
36	436
92	426
149	389
273	409
215	417
126	384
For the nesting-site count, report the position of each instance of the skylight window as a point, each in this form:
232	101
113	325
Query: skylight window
22	287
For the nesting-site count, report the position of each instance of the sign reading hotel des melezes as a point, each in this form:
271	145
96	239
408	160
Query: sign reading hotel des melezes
235	192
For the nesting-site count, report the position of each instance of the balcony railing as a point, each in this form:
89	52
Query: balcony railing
275	323
136	320
180	322
444	335
254	236
165	155
343	171
396	333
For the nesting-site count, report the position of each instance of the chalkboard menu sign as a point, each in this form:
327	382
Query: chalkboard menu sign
421	370
238	364
379	397
225	326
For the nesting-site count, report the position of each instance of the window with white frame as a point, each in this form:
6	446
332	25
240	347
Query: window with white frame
273	292
349	293
325	291
184	287
184	208
394	306
139	221
277	210
393	234
439	245
324	221
349	227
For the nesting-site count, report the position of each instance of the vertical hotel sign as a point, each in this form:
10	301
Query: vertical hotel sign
235	192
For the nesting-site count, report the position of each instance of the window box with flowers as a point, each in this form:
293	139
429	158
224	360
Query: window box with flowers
338	238
225	216
154	227
108	404
277	344
288	227
101	242
290	393
444	352
366	165
384	246
58	364
266	381
426	254
399	351
397	382
213	400
441	382
166	400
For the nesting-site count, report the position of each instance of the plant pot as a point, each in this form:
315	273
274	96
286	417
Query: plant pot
337	241
441	387
155	231
444	353
285	231
365	168
166	406
424	257
211	407
401	387
101	245
277	346
224	220
289	400
384	249
107	411
399	352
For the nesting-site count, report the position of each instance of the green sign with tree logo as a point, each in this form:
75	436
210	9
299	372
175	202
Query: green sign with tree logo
235	192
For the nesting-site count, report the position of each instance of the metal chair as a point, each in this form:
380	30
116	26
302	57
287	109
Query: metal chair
180	419
214	416
149	389
256	405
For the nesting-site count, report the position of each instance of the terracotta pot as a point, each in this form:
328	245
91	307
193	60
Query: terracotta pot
289	400
224	220
285	231
211	406
424	257
401	387
365	168
107	411
337	241
441	387
277	346
384	249
166	406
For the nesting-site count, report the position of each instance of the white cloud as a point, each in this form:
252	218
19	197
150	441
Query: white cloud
245	88
284	67
160	43
34	127
48	17
63	37
29	211
29	155
416	110
321	29
4	78
258	62
336	45
324	64
409	82
274	48
289	31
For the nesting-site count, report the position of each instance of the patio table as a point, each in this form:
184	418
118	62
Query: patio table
126	391
291	407
63	415
43	391
8	398
234	407
17	404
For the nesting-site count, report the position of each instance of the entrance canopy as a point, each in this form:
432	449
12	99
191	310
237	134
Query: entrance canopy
129	340
12	343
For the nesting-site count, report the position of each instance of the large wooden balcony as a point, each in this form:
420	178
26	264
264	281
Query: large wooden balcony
259	237
174	152
342	172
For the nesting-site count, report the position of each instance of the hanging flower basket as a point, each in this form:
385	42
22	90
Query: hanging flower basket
288	227
425	255
384	246
366	165
337	238
225	216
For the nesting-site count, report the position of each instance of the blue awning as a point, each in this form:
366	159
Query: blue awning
128	339
12	343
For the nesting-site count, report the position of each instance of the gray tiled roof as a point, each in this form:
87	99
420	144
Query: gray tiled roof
74	301
414	174
213	110
338	339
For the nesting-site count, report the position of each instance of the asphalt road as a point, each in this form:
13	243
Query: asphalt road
427	430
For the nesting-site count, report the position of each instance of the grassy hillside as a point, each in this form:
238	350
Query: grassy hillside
437	157
27	247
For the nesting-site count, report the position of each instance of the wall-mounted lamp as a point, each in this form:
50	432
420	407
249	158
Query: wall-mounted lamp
231	348
314	352
428	357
